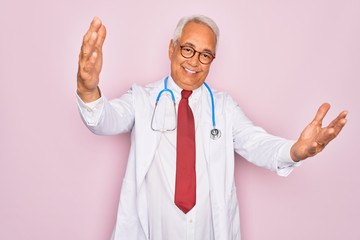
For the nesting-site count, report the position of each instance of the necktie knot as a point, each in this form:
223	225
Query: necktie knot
186	94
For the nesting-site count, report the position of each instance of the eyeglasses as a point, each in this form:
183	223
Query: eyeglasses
189	52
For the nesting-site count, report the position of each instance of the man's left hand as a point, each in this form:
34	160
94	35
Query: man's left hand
314	137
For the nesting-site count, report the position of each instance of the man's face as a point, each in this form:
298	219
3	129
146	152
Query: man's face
190	73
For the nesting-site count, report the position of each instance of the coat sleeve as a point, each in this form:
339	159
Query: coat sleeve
104	117
257	146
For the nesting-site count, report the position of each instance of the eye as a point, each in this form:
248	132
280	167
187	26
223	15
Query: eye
188	49
207	56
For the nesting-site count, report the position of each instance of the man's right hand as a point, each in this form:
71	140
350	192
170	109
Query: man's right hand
90	61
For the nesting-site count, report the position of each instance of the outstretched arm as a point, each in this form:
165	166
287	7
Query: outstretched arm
90	61
314	137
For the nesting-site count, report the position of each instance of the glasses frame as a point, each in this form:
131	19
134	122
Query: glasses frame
194	52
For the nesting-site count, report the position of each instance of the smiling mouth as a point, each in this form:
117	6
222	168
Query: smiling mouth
189	71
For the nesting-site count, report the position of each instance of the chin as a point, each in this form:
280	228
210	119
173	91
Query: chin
191	85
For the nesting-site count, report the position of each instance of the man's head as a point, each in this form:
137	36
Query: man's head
196	35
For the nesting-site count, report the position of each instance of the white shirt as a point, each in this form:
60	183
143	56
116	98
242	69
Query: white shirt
166	220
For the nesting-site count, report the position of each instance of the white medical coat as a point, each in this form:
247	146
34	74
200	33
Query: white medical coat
133	112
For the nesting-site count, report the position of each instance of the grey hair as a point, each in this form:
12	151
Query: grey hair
198	19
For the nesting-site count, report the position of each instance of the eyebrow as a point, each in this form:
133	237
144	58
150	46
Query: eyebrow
205	50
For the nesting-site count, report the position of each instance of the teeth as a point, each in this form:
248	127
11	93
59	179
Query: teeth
190	71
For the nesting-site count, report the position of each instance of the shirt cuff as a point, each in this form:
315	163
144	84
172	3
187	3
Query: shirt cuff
91	111
285	162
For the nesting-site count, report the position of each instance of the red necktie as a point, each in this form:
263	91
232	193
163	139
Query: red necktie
185	184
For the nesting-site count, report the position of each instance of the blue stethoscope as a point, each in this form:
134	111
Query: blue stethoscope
214	132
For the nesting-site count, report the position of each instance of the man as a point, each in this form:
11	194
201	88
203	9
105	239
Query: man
152	203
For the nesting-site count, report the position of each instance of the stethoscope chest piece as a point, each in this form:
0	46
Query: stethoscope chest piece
215	133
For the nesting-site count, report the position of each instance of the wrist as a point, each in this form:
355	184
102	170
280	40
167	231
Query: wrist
88	95
293	154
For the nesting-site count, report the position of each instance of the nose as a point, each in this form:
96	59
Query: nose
194	61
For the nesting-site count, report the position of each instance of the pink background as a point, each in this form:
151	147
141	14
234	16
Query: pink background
279	59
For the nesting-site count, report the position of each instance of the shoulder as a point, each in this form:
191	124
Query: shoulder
223	97
148	88
143	95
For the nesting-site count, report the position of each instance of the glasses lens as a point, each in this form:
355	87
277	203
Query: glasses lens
206	58
187	52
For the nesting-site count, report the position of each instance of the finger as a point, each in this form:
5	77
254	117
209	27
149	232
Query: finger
93	58
338	119
339	126
88	48
94	38
101	37
336	125
89	65
325	136
95	25
90	37
322	111
328	134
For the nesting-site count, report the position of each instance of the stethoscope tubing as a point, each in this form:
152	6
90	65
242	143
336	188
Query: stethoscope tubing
215	133
212	105
165	90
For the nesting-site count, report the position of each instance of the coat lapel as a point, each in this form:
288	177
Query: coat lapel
147	140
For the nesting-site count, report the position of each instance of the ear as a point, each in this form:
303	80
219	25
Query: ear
171	49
